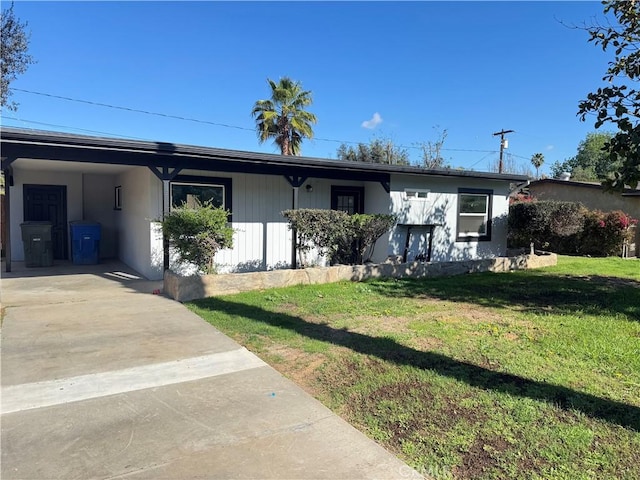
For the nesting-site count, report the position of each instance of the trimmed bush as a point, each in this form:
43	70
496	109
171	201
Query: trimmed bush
341	237
197	234
325	230
368	228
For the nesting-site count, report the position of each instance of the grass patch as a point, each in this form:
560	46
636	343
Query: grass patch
531	374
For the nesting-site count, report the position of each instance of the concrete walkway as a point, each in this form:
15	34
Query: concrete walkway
101	378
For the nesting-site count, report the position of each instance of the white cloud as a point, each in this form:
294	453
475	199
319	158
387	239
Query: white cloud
550	147
373	123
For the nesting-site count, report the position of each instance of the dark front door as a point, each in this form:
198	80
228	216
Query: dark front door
49	203
350	200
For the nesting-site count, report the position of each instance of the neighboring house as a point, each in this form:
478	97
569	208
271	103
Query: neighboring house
126	185
591	195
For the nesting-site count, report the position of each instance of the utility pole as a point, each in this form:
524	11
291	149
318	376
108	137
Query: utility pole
503	144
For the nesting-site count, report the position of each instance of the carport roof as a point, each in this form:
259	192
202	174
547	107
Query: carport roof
45	145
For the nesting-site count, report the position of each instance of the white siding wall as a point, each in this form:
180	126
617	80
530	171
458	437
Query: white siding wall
73	182
377	200
140	241
441	207
262	239
97	205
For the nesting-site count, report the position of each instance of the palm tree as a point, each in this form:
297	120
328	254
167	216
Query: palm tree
283	117
537	160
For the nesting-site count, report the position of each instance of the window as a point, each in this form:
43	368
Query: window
190	194
347	199
416	193
474	214
191	190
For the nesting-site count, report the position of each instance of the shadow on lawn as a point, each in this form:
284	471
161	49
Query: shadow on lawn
389	350
529	291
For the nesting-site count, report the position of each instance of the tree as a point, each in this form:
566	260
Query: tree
283	117
377	151
537	160
591	162
432	151
617	104
13	52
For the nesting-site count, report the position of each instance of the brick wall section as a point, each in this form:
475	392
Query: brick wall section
184	289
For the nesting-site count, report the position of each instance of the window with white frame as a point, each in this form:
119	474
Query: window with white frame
474	214
416	193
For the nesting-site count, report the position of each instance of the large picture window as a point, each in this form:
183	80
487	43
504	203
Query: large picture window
191	194
474	214
191	190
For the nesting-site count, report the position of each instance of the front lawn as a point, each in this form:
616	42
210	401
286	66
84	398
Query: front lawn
531	374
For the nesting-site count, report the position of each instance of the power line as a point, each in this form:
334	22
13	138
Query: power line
197	120
118	107
218	124
24	120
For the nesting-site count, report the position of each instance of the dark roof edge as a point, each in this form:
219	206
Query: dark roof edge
18	135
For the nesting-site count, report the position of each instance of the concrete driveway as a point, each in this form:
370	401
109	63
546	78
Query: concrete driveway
101	378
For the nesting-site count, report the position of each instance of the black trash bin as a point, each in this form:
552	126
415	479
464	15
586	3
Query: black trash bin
38	246
85	242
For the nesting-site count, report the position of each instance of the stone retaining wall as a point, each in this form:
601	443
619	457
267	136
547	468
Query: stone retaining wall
193	287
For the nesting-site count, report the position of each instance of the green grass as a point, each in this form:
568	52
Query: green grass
531	374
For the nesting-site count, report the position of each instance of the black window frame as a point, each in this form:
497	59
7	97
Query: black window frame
464	237
224	182
338	190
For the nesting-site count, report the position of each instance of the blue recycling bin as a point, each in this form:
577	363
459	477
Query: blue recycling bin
85	242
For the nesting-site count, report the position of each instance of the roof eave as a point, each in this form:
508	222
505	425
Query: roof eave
39	137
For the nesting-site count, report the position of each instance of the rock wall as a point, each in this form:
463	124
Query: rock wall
193	287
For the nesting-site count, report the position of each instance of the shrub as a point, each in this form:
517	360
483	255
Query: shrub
605	233
368	228
343	238
198	233
548	225
326	230
569	228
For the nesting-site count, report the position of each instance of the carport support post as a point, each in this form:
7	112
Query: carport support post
166	202
294	233
295	181
165	175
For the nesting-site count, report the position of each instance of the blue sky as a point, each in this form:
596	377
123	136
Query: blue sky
400	69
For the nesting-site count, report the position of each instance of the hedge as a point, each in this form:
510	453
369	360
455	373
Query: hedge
343	238
568	228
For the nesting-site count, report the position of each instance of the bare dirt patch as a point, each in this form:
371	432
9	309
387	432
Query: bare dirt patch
482	457
299	366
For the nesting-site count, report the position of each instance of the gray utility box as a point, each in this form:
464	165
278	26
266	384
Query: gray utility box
38	246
